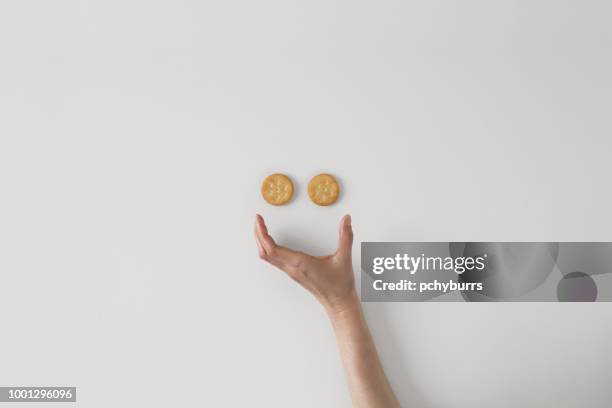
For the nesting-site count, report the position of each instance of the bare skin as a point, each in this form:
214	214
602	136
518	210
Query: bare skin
331	280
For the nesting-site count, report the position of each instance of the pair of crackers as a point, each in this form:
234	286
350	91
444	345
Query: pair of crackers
323	189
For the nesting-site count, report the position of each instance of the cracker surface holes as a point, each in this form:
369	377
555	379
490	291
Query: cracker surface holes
323	189
277	189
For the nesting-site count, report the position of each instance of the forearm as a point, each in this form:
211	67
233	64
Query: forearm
367	381
331	280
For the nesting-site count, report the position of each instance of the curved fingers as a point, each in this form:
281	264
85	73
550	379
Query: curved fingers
283	258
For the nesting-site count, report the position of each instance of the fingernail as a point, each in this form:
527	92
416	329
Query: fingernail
348	220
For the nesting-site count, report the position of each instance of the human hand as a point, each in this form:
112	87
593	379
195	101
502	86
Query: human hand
329	278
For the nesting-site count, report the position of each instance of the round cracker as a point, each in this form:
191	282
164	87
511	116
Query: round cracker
323	189
277	189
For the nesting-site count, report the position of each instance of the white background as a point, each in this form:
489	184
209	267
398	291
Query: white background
134	136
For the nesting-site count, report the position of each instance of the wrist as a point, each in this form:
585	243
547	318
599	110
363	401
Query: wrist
343	306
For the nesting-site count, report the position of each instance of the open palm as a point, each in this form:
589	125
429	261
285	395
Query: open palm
329	278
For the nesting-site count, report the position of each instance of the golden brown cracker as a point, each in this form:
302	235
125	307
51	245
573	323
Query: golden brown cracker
277	189
323	189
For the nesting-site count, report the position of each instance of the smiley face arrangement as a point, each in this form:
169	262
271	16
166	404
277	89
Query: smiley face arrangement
323	189
277	189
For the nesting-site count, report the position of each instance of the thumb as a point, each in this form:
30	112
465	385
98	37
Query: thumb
345	243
